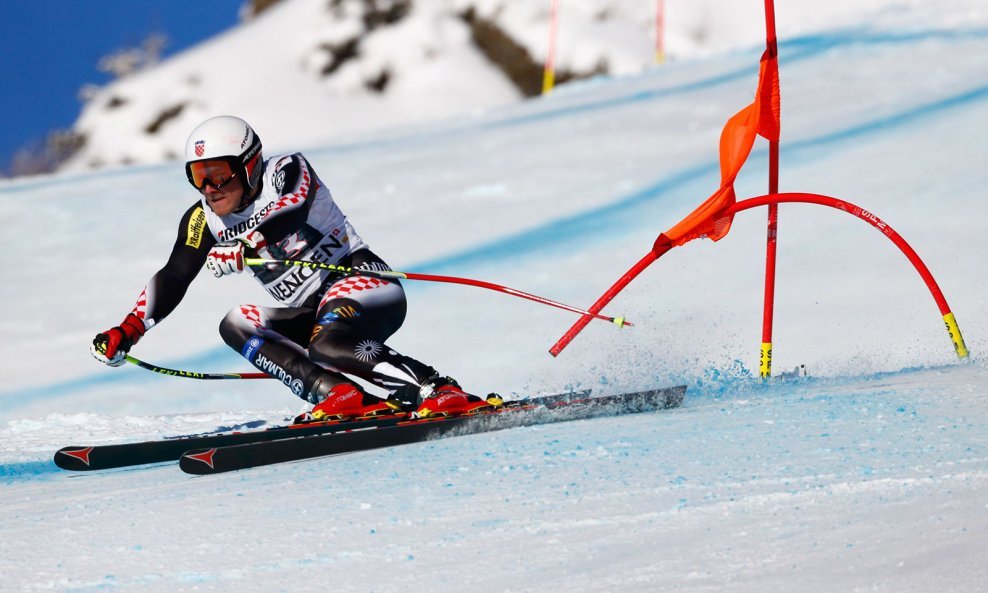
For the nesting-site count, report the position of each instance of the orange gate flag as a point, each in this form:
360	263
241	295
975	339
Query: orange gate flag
762	117
711	219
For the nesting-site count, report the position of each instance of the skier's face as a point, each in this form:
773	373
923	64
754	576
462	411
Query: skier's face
226	199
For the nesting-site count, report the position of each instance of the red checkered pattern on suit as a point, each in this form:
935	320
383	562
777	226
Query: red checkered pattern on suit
141	308
294	199
351	284
297	197
252	314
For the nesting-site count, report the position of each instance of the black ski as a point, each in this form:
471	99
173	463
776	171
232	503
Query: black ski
95	457
222	459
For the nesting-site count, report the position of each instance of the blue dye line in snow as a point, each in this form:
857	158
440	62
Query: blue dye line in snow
795	50
585	225
108	377
894	121
27	470
10	399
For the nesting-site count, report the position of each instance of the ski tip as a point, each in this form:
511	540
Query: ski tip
198	462
74	458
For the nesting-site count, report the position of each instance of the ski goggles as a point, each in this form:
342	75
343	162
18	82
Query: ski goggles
214	172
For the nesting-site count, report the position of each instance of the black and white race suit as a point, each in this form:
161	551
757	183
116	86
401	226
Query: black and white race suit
329	323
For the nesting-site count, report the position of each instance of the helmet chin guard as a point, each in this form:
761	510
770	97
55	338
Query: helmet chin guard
228	138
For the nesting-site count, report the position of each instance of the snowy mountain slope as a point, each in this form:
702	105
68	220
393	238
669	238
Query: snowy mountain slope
311	71
868	476
271	71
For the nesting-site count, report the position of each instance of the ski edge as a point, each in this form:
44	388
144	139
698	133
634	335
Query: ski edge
100	457
215	460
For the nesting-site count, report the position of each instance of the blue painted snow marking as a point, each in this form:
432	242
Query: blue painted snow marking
26	470
11	399
219	355
791	51
589	225
584	226
897	120
811	45
549	111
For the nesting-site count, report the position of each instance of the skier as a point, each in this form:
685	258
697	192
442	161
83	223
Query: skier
330	323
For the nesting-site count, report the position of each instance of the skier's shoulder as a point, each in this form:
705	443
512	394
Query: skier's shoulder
193	226
286	172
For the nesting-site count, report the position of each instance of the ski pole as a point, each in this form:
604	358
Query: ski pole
193	374
618	321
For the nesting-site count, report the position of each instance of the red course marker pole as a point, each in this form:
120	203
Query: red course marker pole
768	311
948	317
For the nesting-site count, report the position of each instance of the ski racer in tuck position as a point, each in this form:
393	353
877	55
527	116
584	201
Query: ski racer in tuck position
330	323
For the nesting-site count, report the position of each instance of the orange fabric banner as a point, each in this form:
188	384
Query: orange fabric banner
763	118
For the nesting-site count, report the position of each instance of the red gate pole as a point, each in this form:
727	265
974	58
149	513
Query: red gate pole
765	358
949	320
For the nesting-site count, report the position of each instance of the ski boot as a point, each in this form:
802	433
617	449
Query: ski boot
346	401
442	396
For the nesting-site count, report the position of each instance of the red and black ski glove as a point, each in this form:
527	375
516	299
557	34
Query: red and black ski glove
111	347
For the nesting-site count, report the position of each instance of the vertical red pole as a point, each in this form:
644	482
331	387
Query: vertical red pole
660	32
765	359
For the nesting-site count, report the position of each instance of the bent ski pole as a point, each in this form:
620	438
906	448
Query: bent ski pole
618	321
193	374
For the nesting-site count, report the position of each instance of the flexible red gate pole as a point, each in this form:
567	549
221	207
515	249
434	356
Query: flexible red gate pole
948	317
765	358
709	219
712	219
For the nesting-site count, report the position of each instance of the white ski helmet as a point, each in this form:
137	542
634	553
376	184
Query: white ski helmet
230	139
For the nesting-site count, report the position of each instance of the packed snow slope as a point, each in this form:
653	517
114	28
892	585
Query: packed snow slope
868	476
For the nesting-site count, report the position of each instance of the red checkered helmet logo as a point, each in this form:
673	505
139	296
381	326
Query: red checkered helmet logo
200	147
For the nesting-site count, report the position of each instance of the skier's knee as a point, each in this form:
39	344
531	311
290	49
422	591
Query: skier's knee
239	324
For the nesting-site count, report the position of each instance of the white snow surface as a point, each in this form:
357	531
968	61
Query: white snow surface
870	475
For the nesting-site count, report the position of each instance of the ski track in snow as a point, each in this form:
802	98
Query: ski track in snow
872	479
